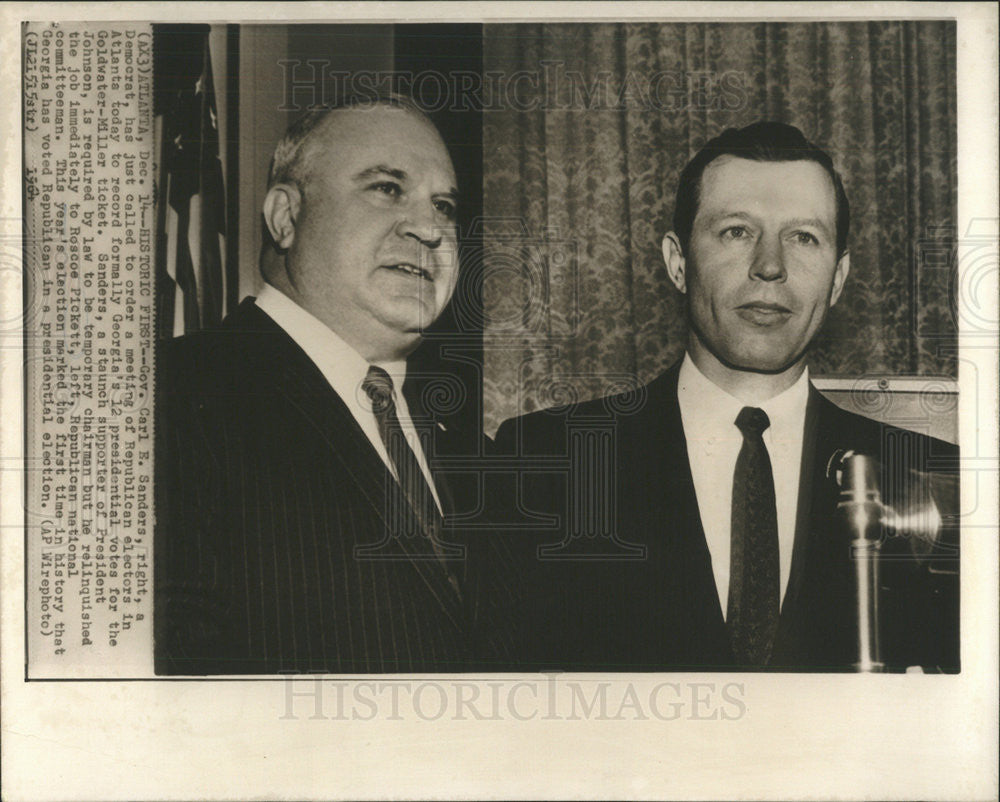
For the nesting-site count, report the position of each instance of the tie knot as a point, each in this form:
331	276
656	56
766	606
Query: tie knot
378	387
752	421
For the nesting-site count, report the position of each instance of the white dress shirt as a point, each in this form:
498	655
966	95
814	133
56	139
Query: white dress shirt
708	414
345	369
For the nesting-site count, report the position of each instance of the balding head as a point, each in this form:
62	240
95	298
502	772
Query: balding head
295	150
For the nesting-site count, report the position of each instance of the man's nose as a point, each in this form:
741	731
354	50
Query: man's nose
421	224
768	261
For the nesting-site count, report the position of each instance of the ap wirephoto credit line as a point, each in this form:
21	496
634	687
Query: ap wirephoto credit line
89	231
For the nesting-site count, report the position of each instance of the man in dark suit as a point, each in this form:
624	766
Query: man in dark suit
300	518
691	524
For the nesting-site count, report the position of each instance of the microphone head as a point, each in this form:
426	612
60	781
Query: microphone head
856	474
914	502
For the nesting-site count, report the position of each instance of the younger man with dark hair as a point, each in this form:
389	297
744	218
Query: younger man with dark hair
720	488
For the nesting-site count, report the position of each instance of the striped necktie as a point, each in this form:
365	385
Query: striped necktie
417	493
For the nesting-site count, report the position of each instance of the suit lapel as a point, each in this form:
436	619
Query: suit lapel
690	562
436	442
443	484
817	579
285	367
304	388
810	486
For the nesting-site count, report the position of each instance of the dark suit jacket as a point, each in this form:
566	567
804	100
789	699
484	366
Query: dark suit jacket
274	548
620	578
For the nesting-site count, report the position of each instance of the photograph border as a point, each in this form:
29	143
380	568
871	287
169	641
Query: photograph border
798	736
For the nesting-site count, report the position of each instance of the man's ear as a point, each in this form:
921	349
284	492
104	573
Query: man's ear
840	276
281	210
673	257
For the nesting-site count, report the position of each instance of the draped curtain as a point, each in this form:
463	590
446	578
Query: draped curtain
586	130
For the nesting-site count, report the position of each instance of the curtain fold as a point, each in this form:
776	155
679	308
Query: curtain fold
581	161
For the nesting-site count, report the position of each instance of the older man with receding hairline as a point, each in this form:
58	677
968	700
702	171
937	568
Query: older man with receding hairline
300	520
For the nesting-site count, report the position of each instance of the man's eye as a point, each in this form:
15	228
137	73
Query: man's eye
805	238
390	188
445	207
735	232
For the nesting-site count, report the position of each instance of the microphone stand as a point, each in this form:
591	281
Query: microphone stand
860	513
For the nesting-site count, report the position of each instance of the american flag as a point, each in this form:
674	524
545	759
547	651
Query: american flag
191	232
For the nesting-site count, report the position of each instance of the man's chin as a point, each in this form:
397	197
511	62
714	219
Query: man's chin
411	314
750	354
767	363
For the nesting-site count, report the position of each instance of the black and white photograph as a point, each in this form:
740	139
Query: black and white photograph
645	193
541	400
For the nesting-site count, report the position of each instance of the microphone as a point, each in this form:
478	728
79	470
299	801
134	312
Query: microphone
914	512
867	519
860	514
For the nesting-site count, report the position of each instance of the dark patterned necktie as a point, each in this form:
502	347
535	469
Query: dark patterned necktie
417	493
754	580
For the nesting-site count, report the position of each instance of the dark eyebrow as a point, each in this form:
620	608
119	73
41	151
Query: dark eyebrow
715	218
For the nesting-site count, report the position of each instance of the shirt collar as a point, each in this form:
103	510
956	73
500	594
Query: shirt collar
344	368
708	410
